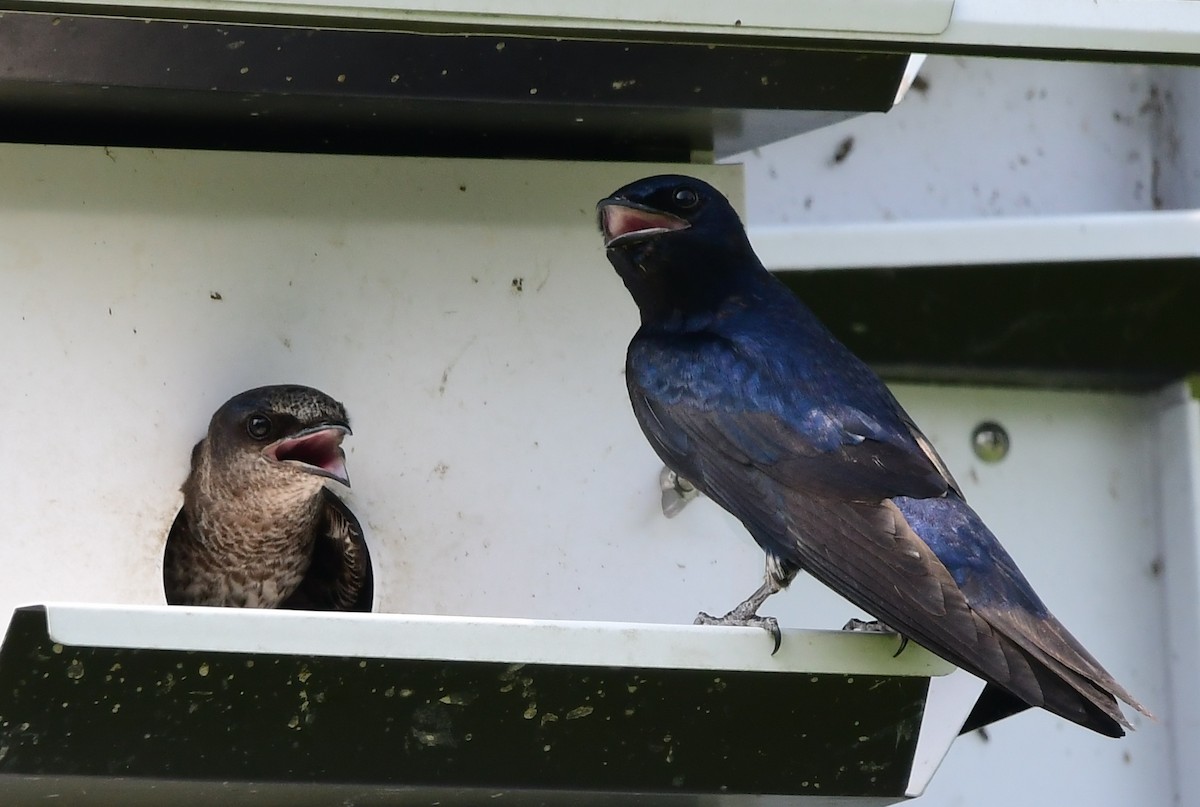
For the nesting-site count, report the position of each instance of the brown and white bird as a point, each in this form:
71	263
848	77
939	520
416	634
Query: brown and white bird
258	528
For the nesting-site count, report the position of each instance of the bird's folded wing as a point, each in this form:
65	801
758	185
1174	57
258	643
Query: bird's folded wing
822	509
830	513
845	454
1048	641
176	575
869	553
339	577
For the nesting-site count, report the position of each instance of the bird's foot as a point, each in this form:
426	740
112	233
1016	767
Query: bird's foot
744	616
875	626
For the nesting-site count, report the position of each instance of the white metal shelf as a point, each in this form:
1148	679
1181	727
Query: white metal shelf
467	639
977	242
1118	26
124	700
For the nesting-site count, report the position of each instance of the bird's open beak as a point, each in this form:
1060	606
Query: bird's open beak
623	221
316	450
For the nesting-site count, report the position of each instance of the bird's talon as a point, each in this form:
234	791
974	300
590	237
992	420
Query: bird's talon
875	626
772	627
768	623
862	626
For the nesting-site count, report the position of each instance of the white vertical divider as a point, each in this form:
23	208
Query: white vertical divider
1179	506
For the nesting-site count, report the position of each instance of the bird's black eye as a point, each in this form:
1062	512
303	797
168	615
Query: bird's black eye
259	426
686	198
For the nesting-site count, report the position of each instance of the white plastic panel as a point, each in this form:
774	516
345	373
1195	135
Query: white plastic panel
435	710
979	242
1179	133
1075	503
949	703
1118	25
462	310
748	17
1179	500
1162	26
984	138
466	315
574	643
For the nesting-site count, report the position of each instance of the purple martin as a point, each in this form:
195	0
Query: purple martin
258	528
744	393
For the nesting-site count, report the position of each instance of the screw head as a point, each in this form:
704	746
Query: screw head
990	441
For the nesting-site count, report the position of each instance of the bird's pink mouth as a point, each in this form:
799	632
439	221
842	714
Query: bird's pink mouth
621	224
317	451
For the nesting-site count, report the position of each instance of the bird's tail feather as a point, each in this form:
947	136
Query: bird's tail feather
1065	670
893	575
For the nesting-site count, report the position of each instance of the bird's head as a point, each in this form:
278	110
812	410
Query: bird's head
287	428
676	242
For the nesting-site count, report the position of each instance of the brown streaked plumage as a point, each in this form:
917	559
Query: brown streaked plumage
258	528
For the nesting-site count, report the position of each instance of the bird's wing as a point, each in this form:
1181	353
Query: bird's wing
175	577
870	554
834	451
339	577
798	502
830	513
929	451
1047	640
755	403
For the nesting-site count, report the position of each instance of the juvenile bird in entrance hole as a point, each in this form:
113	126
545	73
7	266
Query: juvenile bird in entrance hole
258	527
745	394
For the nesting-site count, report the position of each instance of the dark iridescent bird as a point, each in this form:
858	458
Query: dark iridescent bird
258	527
743	392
